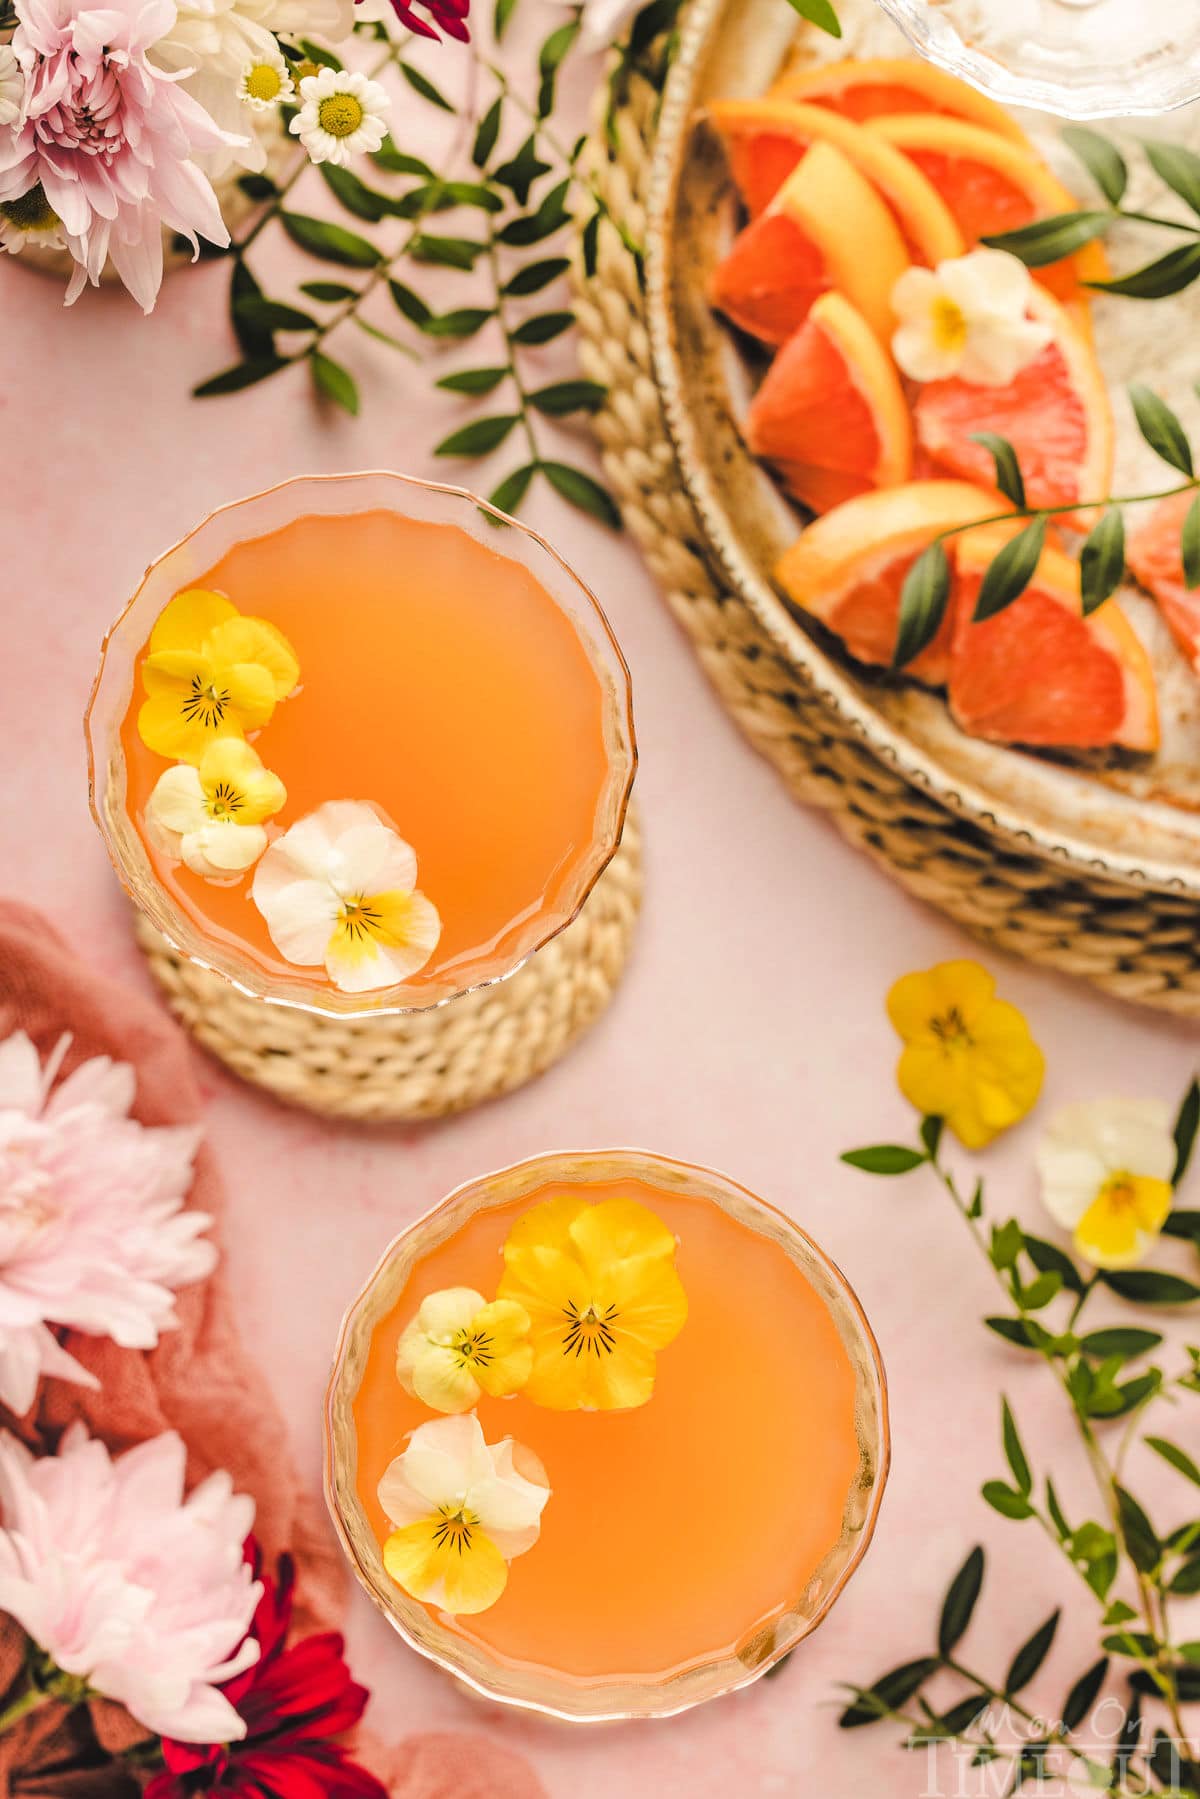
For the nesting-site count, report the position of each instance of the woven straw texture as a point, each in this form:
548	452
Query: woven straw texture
427	1064
1136	942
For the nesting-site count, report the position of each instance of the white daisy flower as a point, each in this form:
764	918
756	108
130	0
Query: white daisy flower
342	114
12	87
1105	1168
266	83
967	318
30	220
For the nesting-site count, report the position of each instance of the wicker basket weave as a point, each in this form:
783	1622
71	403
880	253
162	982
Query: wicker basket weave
1135	941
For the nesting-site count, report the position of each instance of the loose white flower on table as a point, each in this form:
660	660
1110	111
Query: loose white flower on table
604	21
341	115
211	817
127	1585
94	1233
266	83
1105	1168
12	87
967	318
459	1347
462	1511
339	889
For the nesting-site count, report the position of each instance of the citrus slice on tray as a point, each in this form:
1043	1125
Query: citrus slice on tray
1055	413
831	414
847	569
991	185
1040	673
826	228
863	88
1155	557
765	139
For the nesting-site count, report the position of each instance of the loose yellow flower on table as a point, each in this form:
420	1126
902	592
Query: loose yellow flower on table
210	674
1105	1168
459	1347
968	1057
211	817
603	1297
463	1509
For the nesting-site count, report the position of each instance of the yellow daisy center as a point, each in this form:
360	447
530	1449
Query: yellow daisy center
948	323
340	115
264	82
589	1332
31	212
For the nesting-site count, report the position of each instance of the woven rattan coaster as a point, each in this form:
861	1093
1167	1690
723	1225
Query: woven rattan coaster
425	1064
1137	942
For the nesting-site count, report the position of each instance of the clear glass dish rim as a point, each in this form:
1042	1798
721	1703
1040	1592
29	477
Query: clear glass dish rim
538	1691
177	930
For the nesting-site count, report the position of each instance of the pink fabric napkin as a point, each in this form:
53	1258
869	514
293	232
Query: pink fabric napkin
198	1381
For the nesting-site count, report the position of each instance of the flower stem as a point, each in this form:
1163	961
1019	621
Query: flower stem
1036	512
1149	218
29	1701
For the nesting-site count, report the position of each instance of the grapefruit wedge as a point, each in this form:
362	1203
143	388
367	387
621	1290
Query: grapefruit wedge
1154	555
1055	413
1040	673
826	228
831	414
991	185
847	569
864	87
765	139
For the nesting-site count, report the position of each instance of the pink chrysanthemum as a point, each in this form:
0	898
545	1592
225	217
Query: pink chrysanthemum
94	1233
111	138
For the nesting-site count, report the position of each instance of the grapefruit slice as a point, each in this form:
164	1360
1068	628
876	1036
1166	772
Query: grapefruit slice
1055	412
992	185
1040	673
1154	556
765	139
826	227
831	414
847	569
863	88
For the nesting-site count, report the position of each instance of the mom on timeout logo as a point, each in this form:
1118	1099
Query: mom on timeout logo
1012	1753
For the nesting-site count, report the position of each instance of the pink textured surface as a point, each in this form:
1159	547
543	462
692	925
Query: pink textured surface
749	1034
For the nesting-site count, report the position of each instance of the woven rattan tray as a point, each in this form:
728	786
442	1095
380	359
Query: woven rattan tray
1133	935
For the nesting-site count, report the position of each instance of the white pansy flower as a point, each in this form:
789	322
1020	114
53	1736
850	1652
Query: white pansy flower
462	1511
1105	1168
341	115
967	318
12	87
266	83
211	817
339	889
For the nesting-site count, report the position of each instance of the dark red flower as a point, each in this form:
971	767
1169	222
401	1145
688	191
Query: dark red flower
294	1701
449	16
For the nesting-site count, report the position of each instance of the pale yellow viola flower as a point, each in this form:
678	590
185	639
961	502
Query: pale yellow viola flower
462	1510
211	818
458	1347
598	1282
209	674
1105	1168
968	1057
968	318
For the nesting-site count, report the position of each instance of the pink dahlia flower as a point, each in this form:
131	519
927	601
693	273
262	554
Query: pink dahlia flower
125	1584
110	137
94	1233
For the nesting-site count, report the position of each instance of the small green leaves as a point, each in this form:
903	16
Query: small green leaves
328	290
1031	1655
582	492
243	374
447	252
564	397
931	1135
1116	1341
1168	274
1008	468
1006	1500
960	1602
545	326
1049	1258
487	133
1179	167
332	242
398	162
923	600
1178	1458
885	1158
256	340
1008	1240
1014	1452
465	322
550	59
1160	428
512	490
500	18
819	13
1102	560
535	276
1151	1287
888	1694
272	316
1141	1542
335	382
520	173
1188	1118
479	438
354	194
421	84
1049	240
474	381
1189	544
1010	571
1102	160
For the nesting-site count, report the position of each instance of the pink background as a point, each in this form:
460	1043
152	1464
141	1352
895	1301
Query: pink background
749	1033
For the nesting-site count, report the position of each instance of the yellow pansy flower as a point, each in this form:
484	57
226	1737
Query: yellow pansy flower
458	1347
1105	1169
968	1057
211	818
209	673
600	1287
462	1510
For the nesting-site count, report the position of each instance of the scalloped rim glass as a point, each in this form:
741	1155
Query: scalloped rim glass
367	490
1165	83
560	1696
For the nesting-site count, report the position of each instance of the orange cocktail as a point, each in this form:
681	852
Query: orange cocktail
366	643
695	1527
